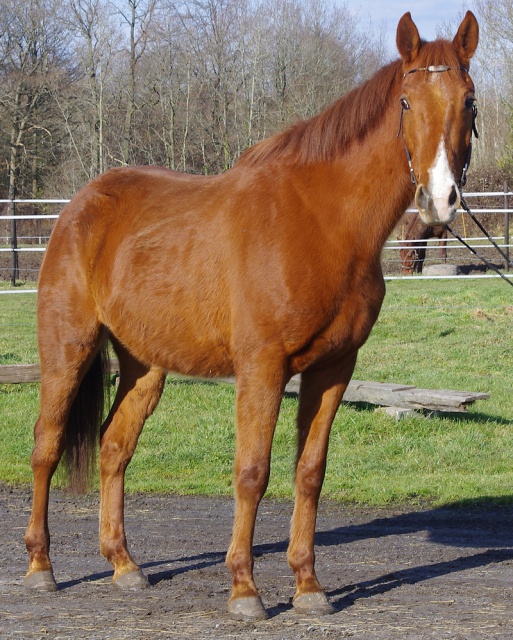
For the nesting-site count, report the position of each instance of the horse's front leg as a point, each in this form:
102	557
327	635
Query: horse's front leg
259	392
320	395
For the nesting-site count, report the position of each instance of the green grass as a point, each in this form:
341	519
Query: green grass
448	334
18	336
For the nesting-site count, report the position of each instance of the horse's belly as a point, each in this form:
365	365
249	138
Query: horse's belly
187	355
182	338
195	359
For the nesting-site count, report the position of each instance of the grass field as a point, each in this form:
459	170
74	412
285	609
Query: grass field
444	334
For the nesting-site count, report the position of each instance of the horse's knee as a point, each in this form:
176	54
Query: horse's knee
45	458
310	477
251	479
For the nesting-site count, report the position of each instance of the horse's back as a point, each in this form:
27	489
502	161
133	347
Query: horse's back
141	208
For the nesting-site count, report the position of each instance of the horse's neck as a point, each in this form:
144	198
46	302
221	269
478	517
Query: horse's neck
371	181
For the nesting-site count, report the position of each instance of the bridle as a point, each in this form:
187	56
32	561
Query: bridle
438	69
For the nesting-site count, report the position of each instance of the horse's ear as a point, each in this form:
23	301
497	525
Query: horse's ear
465	41
408	39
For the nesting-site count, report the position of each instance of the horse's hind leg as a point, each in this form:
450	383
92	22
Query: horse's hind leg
138	393
67	346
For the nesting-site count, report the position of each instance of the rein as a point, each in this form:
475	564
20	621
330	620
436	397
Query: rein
476	253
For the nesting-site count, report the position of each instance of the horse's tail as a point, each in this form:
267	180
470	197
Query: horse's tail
83	425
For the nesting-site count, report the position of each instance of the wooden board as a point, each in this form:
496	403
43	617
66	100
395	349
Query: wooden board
411	397
14	373
17	373
387	394
384	394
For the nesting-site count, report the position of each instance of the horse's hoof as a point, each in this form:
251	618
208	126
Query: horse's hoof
313	604
41	580
250	608
132	581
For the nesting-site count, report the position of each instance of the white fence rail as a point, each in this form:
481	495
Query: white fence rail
497	209
15	242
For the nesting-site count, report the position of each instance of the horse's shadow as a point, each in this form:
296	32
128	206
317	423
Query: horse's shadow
348	595
473	524
468	524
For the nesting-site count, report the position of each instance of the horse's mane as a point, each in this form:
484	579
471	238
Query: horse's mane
350	118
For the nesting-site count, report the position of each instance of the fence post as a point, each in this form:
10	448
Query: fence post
14	245
506	223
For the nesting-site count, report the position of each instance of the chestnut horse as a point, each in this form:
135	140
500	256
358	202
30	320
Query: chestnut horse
413	254
269	270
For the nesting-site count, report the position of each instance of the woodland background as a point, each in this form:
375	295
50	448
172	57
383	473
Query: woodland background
86	85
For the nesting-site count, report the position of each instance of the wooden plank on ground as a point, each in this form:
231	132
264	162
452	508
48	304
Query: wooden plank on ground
384	394
387	394
440	400
15	373
410	397
18	373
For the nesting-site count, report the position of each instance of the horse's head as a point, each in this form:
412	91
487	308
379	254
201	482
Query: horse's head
437	113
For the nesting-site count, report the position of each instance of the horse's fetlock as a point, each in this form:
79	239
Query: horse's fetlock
298	559
114	548
239	563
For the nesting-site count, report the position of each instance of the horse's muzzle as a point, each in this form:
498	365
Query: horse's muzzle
439	209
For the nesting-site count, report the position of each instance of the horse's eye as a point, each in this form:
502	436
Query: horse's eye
470	101
405	104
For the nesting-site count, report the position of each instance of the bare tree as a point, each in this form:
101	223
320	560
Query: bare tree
168	90
33	51
137	16
494	80
184	83
85	112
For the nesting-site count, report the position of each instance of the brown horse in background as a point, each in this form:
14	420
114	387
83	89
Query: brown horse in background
269	270
413	254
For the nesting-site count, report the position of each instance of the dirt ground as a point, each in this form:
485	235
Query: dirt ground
391	574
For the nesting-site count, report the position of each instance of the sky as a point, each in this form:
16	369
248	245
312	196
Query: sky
427	15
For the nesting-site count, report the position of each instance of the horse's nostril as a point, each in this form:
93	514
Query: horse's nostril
422	198
453	197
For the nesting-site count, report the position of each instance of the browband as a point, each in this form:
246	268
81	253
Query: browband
433	69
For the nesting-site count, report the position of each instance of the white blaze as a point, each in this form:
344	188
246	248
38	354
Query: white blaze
442	184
